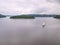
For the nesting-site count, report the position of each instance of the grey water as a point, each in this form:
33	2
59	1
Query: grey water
30	31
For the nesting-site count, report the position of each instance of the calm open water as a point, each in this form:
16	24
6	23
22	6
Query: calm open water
30	31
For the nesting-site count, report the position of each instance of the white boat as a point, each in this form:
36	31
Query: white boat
43	24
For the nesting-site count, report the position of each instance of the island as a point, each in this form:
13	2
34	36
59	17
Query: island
22	17
32	16
57	16
2	16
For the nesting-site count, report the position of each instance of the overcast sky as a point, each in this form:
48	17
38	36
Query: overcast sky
13	7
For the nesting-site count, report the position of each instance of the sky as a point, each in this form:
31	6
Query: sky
13	7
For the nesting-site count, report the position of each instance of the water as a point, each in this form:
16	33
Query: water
29	31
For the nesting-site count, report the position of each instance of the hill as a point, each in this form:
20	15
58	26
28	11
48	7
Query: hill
1	16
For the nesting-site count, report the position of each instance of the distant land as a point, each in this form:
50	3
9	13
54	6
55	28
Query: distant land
27	16
2	16
22	16
34	15
41	15
57	17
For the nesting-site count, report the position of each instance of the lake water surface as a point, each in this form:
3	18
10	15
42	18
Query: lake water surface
29	31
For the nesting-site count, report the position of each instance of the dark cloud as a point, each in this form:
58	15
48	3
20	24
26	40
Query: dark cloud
40	10
54	1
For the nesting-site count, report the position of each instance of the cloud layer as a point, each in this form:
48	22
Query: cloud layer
55	1
29	6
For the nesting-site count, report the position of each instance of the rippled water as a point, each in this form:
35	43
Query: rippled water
29	31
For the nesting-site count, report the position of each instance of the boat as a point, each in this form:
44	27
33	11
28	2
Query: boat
43	24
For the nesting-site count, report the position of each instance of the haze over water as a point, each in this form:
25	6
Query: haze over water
29	31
